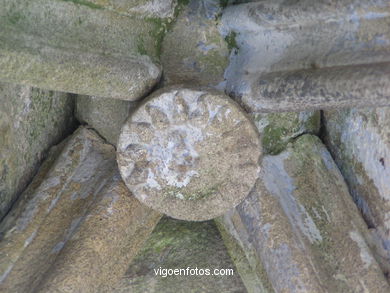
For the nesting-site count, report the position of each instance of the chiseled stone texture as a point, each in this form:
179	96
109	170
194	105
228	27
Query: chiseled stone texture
359	141
31	121
80	47
193	50
106	116
190	154
75	216
273	36
179	244
302	226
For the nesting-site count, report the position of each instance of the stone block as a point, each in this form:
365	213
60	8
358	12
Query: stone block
193	50
106	116
359	141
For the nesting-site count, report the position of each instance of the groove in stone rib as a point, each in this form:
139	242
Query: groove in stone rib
75	201
99	252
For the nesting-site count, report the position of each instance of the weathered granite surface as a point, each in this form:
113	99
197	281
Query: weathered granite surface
106	241
298	231
190	154
106	116
81	47
179	244
326	88
51	208
276	36
302	227
359	141
31	121
150	8
75	220
193	50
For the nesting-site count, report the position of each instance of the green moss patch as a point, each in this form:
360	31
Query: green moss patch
231	42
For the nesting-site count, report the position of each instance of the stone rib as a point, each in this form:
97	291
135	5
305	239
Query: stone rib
276	36
335	87
358	140
76	48
53	210
80	73
99	252
61	205
302	227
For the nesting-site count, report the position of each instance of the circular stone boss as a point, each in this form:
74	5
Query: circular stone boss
189	154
